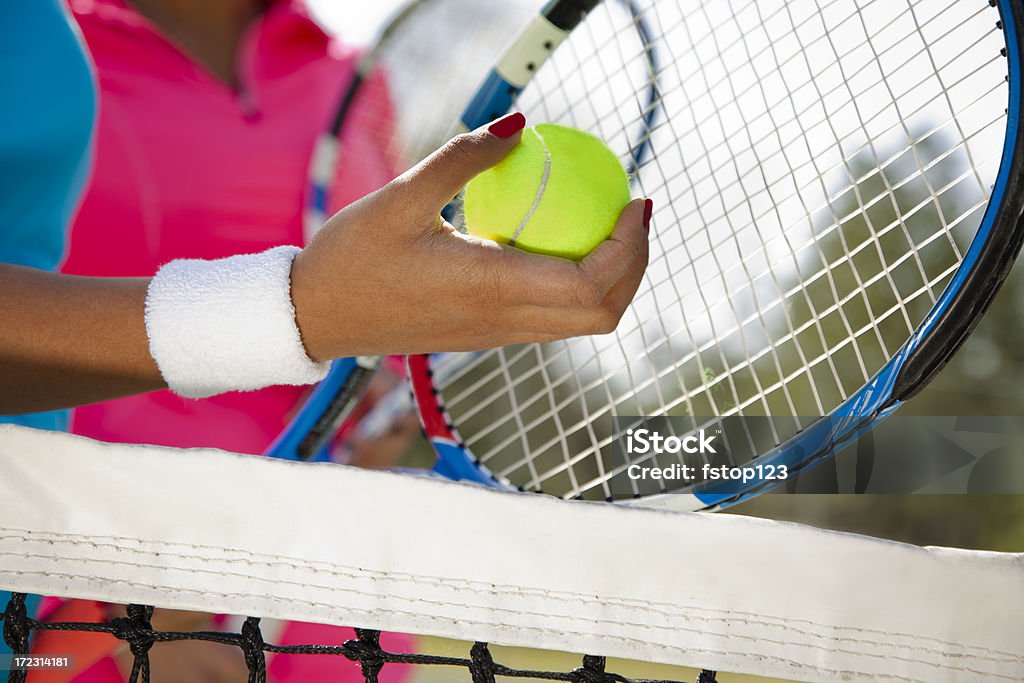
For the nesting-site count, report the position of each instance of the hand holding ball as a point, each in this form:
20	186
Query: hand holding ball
559	192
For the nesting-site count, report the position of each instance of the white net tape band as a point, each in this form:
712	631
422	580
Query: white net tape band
218	532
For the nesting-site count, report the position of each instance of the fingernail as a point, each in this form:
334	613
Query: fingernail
507	125
648	210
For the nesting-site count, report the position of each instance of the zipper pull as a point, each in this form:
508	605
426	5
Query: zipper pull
248	106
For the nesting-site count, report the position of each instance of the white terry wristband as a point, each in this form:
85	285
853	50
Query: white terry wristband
227	325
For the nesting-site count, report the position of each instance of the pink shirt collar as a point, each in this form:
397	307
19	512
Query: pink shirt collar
285	37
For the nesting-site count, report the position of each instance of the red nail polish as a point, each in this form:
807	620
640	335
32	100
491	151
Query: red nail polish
507	125
648	210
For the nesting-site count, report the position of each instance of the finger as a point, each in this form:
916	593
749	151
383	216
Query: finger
574	320
439	177
622	292
534	279
603	267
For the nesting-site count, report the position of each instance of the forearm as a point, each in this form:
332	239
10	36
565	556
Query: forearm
385	275
67	340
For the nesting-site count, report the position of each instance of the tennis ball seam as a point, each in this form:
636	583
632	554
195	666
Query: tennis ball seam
559	192
545	176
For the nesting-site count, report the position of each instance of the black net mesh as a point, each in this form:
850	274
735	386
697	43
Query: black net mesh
136	630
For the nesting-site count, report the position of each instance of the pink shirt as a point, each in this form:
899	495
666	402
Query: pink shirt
187	167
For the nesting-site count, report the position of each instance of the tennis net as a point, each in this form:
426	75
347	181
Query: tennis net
230	534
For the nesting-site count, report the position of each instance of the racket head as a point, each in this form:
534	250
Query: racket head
836	203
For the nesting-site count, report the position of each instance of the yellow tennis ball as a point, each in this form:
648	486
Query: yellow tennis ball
559	192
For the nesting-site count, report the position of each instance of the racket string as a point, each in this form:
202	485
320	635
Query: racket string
817	169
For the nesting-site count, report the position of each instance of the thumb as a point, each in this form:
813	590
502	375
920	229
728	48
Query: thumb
434	181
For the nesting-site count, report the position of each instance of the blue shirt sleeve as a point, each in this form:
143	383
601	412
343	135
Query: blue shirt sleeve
47	115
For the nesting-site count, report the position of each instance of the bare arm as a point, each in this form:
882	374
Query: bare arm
67	340
385	275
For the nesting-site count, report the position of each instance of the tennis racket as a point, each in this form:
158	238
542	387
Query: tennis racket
837	192
425	88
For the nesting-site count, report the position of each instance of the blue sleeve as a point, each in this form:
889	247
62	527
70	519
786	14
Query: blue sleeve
46	127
